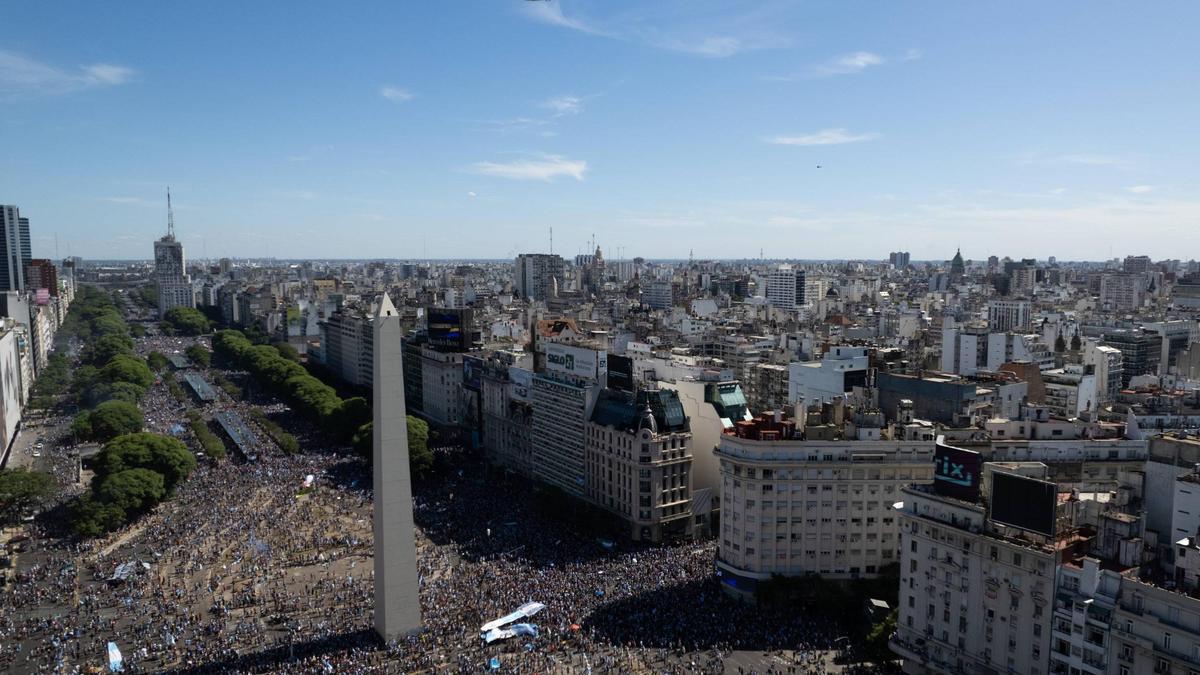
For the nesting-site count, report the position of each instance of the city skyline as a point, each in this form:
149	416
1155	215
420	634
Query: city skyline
662	131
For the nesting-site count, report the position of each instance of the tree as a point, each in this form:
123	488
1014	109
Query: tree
124	368
21	489
115	418
420	458
351	415
134	491
1076	343
877	640
163	454
81	426
1060	345
104	348
91	517
187	320
119	391
157	361
199	355
287	351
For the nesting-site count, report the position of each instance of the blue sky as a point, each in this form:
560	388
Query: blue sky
469	129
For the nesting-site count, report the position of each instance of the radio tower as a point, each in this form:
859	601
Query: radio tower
170	217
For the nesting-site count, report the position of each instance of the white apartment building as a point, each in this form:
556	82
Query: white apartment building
786	287
347	347
441	386
1071	390
840	369
794	507
1107	364
1122	292
657	294
971	600
1008	315
966	351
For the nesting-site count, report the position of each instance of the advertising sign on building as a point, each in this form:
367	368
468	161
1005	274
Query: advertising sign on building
576	361
1025	503
472	372
449	329
520	382
620	372
956	471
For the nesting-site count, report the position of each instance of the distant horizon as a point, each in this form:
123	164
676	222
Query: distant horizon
912	262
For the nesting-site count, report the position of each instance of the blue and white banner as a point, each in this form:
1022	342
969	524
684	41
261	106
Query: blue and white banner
116	663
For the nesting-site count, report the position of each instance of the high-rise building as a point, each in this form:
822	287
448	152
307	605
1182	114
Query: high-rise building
899	259
537	275
1136	264
657	294
1122	291
785	287
16	248
1006	315
40	273
170	269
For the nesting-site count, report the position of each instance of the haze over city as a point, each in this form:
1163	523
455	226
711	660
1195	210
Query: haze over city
469	129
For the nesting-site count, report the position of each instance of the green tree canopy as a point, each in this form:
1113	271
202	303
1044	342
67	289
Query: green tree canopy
287	351
157	361
134	491
124	368
420	458
21	489
199	355
115	418
187	320
104	348
163	454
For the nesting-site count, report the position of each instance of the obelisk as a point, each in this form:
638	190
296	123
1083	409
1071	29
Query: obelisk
397	592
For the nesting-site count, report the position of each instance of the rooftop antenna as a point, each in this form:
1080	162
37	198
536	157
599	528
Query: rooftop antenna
551	241
170	216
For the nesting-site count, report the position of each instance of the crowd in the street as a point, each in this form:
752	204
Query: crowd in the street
246	570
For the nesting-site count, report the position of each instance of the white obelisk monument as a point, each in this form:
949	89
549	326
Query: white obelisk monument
397	597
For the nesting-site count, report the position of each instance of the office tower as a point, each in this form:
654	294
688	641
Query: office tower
899	259
397	597
1008	315
1136	264
15	247
657	295
170	269
40	273
786	287
536	274
1122	291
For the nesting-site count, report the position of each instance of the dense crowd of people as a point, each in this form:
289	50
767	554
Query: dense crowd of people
247	569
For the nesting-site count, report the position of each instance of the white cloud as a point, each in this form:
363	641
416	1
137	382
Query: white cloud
1058	191
564	105
551	13
472	195
847	64
395	94
22	77
544	168
824	137
670	26
1140	189
913	54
